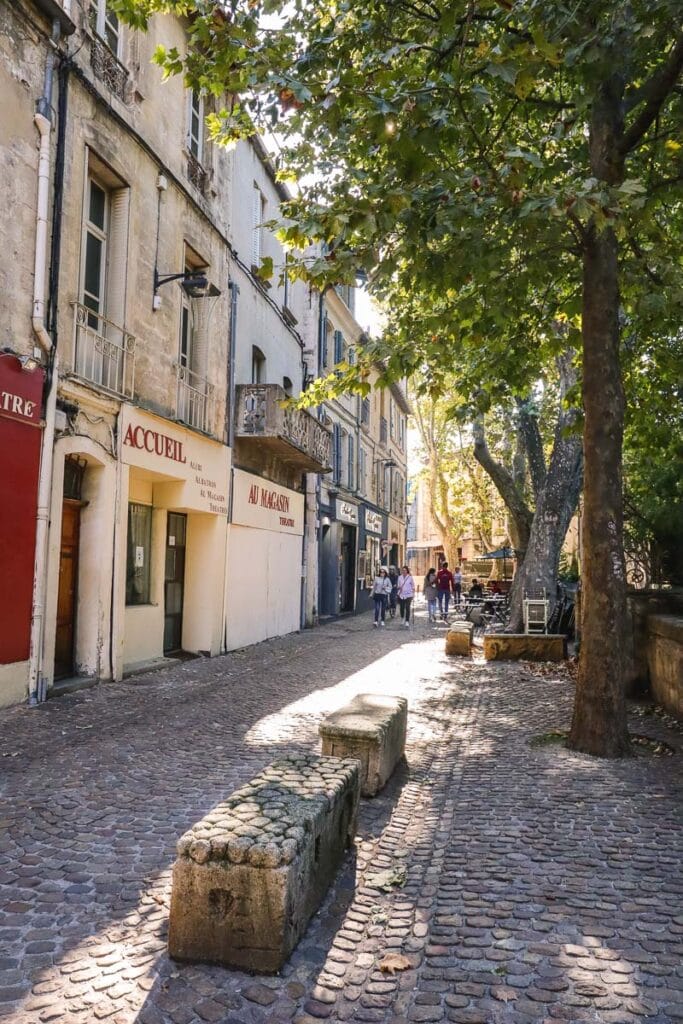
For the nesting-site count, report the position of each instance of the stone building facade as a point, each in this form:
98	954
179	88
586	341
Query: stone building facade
134	323
362	502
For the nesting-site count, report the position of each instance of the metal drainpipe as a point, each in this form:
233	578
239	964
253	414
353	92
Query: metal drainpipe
43	122
230	433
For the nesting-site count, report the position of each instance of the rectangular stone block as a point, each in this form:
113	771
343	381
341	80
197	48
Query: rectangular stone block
459	638
525	646
252	872
372	727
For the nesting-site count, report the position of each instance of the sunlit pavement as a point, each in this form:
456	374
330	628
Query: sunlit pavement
539	885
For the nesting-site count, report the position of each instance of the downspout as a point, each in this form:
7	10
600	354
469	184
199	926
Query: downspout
43	122
230	435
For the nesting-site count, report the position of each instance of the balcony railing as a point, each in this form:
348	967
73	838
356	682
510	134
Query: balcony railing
104	352
195	399
108	68
293	434
382	430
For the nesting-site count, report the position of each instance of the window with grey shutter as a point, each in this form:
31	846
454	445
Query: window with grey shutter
336	438
352	464
338	347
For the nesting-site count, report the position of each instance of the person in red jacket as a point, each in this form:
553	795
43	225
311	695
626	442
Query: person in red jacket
444	588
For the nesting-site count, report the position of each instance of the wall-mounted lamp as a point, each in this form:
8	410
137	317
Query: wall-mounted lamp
196	285
29	363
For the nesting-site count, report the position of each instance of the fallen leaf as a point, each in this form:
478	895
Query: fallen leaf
393	962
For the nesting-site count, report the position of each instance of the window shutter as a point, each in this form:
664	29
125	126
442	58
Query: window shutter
256	230
337	452
352	467
323	343
338	346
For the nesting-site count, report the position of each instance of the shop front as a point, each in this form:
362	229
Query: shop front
370	554
339	524
264	579
20	440
394	546
173	529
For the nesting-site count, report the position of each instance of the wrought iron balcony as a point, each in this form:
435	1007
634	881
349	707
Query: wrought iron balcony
194	404
104	352
108	68
294	435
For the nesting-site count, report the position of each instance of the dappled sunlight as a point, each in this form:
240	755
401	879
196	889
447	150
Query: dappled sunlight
403	672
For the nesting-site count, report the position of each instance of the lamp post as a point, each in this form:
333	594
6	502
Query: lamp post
387	464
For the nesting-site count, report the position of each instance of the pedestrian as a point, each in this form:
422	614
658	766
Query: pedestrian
393	576
406	593
444	586
457	585
381	589
476	591
430	592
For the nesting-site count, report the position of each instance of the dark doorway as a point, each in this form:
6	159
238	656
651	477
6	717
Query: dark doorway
174	582
347	569
67	589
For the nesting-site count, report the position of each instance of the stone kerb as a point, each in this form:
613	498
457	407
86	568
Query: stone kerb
459	638
527	646
372	727
252	872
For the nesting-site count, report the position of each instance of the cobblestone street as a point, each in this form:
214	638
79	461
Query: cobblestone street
539	885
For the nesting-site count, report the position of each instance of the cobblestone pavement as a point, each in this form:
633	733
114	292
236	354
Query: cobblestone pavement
539	885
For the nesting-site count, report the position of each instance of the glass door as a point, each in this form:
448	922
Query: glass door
174	582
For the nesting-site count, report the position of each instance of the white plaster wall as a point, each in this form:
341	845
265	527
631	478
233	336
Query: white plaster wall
13	683
204	583
264	585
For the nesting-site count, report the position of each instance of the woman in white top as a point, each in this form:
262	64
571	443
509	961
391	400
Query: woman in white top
406	592
381	589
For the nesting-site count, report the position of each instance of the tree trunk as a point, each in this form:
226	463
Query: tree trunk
557	497
599	722
557	503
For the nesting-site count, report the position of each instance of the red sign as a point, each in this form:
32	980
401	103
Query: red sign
20	411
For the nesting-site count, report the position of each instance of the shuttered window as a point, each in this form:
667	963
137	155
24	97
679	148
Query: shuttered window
352	464
258	217
338	347
337	461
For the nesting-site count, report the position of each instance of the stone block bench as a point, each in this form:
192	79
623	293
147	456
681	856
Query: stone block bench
459	638
372	728
252	872
527	646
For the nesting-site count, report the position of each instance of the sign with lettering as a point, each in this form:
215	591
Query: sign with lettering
191	471
20	391
347	512
266	506
20	438
373	521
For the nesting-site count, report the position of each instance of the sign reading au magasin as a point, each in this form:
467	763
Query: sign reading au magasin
263	505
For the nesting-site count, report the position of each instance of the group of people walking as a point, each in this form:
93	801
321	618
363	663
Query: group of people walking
389	589
439	586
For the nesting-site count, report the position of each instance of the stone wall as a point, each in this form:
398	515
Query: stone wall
641	604
665	661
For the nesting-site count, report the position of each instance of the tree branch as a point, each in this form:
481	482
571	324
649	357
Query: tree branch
504	484
533	445
654	93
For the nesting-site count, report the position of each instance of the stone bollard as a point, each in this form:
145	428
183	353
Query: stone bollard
459	639
371	727
249	875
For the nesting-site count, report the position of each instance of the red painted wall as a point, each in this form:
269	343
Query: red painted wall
20	437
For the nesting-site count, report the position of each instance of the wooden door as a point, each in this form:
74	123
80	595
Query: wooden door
67	591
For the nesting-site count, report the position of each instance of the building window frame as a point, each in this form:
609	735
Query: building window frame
195	125
258	365
97	232
105	24
139	554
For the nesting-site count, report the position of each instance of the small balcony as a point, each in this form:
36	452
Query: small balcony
194	403
294	435
104	352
